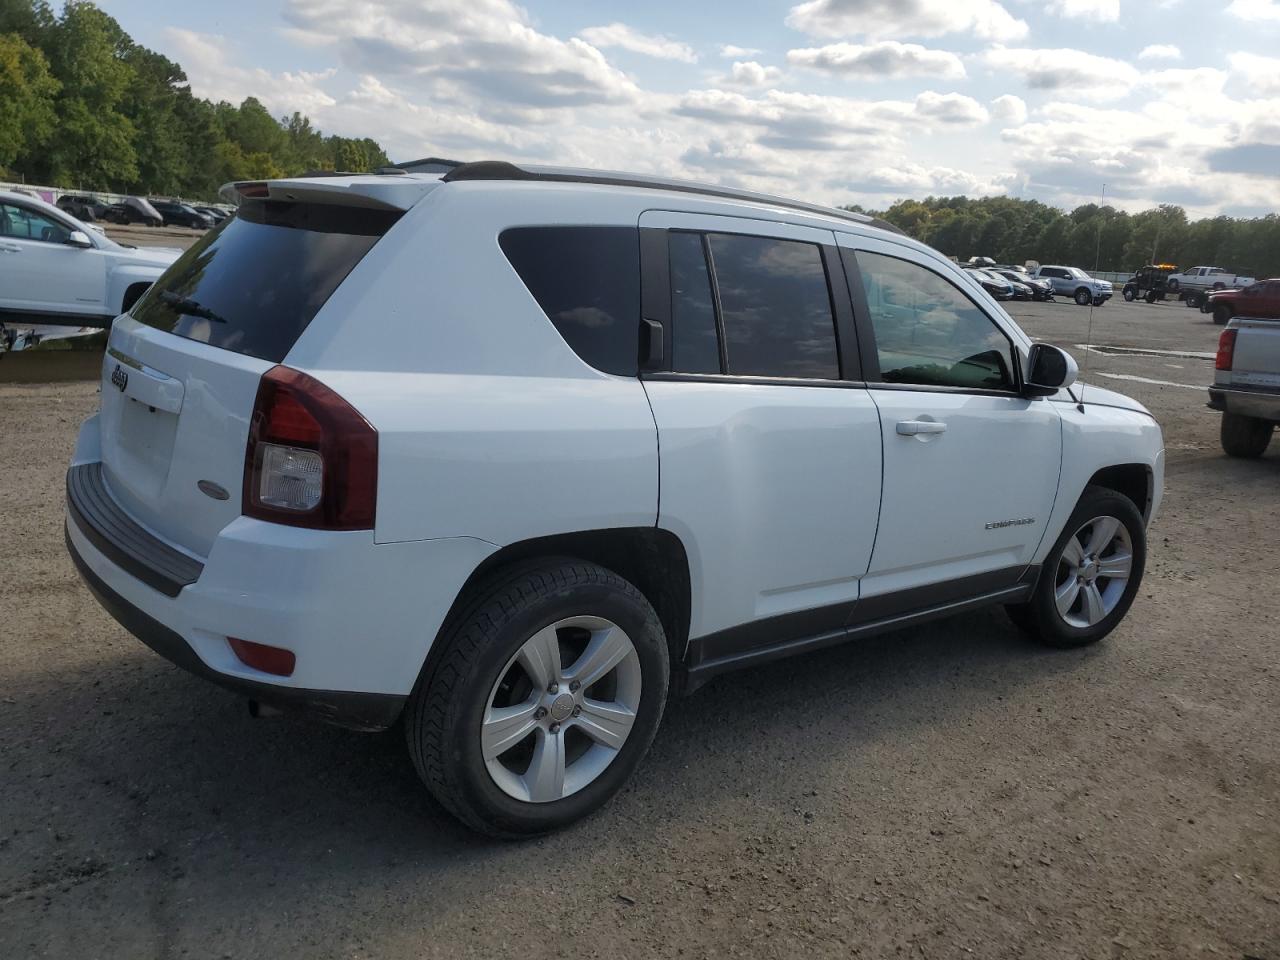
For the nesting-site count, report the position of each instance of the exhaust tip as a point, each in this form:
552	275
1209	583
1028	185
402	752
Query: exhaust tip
259	710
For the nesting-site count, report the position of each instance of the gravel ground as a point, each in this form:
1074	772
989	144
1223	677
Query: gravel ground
947	791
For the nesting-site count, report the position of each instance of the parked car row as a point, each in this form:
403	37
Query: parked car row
149	211
1044	282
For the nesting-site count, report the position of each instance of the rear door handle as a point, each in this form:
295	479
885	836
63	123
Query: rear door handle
912	428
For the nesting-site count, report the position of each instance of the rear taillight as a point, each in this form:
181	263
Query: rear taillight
1226	350
312	459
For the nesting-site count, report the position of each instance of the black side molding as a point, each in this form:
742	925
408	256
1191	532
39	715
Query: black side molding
355	711
121	538
806	630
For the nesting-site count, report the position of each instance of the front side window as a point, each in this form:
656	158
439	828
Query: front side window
775	307
587	282
23	224
930	333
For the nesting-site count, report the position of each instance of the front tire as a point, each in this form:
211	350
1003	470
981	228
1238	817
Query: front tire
1091	575
544	696
1130	294
1084	297
1245	437
1221	314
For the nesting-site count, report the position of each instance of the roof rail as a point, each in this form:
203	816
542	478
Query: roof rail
503	170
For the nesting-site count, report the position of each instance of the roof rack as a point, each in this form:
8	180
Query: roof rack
503	170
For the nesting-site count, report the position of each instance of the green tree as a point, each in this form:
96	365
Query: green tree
27	92
94	146
348	156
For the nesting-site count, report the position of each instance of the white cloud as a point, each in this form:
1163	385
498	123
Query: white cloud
209	62
485	50
1086	74
730	52
1009	109
1160	51
1260	74
751	74
1253	11
885	59
1099	11
621	35
911	18
477	79
952	108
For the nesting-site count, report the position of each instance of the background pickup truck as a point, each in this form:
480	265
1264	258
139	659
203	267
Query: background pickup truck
1204	278
1246	385
1261	300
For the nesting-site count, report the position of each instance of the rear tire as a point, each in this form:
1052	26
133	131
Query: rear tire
1062	608
1221	314
1245	437
1084	297
487	772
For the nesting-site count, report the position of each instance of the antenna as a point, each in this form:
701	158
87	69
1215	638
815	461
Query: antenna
1088	340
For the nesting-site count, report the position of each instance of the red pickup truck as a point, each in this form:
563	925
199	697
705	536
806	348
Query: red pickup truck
1261	299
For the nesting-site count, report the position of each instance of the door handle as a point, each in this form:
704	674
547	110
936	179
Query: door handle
913	428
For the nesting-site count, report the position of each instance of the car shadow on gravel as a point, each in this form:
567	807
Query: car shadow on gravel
141	740
141	772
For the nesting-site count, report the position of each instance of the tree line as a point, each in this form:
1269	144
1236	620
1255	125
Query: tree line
83	107
1011	230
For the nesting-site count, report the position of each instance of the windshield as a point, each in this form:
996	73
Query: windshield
1077	273
254	282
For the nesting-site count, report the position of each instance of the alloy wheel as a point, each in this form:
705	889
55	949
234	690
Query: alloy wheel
561	709
1093	571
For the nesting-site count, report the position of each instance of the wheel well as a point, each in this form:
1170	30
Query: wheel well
652	559
1132	480
132	293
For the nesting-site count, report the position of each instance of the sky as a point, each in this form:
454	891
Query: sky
831	101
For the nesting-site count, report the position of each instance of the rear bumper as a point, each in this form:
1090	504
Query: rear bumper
359	616
358	711
1263	404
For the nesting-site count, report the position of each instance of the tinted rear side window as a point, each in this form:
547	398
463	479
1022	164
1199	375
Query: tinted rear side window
695	344
587	282
775	307
252	284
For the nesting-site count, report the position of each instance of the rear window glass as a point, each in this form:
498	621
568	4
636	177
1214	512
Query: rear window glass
252	284
587	282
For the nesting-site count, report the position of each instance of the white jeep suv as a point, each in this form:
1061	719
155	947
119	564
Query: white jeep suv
518	453
55	270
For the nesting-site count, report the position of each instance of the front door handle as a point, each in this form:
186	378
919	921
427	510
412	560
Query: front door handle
913	428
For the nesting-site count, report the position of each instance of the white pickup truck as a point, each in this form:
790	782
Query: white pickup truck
1204	278
1246	385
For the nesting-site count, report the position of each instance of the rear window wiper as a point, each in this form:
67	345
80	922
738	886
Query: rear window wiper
188	306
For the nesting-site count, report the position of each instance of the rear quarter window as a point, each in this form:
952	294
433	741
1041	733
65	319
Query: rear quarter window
253	284
587	282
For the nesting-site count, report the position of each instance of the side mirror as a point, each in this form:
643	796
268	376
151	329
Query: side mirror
78	238
1049	370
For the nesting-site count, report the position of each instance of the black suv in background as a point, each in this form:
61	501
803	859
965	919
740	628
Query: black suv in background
86	209
177	214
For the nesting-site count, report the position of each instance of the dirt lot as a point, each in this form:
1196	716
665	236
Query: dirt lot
948	791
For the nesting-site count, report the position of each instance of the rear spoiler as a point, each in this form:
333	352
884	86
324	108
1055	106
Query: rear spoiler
372	191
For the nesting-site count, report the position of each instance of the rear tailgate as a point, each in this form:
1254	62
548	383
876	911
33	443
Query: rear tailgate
182	370
1256	359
